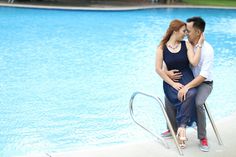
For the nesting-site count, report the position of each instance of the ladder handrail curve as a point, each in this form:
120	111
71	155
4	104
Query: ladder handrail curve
166	117
132	116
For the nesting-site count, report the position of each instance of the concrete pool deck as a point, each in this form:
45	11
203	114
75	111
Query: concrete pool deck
152	148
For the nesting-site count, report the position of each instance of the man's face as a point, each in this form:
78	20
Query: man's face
191	32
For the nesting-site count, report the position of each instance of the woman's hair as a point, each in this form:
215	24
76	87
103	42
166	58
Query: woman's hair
175	25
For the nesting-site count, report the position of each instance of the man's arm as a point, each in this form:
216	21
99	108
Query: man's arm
194	83
206	69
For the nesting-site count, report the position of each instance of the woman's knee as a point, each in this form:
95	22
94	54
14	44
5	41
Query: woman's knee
192	93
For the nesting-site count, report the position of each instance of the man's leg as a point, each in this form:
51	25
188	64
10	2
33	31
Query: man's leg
203	92
171	112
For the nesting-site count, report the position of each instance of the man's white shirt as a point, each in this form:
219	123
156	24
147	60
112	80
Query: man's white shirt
205	65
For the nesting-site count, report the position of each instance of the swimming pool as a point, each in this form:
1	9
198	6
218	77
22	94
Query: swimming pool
67	76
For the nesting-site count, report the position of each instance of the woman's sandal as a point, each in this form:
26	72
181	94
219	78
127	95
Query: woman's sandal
181	136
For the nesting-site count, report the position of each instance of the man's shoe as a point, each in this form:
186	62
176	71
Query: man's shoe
166	134
204	145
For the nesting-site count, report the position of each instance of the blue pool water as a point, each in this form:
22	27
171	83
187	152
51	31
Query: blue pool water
67	76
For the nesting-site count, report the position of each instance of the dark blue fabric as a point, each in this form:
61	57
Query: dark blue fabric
186	111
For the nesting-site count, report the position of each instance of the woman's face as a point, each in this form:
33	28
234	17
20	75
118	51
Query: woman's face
181	33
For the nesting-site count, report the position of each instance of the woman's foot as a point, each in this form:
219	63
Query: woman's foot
181	135
182	144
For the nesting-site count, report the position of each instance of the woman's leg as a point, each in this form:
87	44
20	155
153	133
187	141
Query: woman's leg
184	115
186	109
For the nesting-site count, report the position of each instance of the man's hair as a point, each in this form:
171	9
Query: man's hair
198	22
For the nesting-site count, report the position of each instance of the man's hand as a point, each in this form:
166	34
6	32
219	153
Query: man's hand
182	93
201	39
174	75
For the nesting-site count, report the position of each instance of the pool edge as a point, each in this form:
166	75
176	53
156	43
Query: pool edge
108	8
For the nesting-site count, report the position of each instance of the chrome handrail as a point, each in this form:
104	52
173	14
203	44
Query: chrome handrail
213	125
165	115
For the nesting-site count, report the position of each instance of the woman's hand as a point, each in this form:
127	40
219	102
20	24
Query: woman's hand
182	94
201	39
177	86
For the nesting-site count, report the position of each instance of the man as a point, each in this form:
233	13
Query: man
202	81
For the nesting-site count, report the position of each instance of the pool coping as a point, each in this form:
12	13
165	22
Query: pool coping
108	7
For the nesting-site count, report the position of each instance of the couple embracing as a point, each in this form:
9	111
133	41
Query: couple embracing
186	70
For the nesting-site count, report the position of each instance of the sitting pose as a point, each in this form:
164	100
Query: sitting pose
178	54
203	80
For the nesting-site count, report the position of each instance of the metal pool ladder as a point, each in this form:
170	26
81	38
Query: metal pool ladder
158	100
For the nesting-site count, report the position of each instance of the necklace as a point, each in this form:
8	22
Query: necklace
173	47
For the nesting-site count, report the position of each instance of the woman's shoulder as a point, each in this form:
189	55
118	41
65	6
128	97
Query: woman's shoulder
160	48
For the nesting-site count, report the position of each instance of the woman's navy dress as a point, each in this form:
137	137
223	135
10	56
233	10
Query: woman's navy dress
186	110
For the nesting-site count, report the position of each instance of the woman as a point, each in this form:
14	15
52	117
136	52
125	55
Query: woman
178	54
